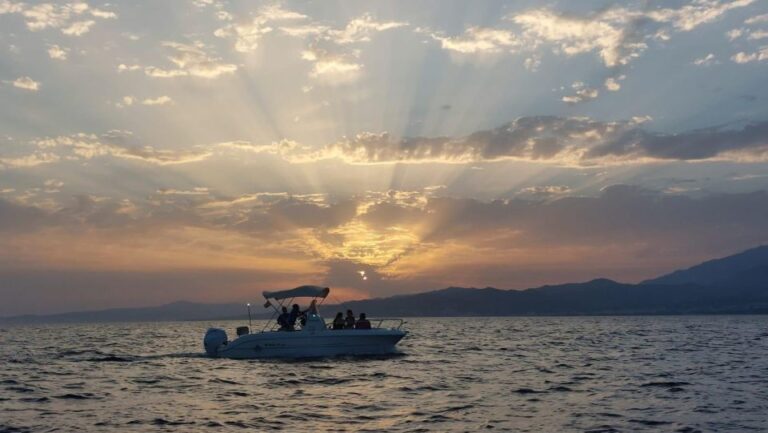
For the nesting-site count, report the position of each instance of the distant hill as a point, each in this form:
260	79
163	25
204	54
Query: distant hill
748	268
596	297
736	284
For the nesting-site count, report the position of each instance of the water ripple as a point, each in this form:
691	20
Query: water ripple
587	374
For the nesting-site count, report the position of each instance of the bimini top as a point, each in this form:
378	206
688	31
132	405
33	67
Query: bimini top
299	292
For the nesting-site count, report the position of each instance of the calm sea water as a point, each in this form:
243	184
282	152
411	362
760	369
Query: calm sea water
594	374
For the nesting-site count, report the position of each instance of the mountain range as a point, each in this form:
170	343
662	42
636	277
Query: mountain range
736	284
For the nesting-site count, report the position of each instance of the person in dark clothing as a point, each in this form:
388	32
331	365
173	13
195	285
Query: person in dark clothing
284	320
293	316
338	322
349	322
362	322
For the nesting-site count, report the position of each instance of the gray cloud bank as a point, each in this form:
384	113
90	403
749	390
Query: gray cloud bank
567	141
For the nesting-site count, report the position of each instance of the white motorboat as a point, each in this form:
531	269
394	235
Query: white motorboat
314	338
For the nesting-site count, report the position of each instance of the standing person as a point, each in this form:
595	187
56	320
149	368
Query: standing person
362	322
338	322
349	322
284	320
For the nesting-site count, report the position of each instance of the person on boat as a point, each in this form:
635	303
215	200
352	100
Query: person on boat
362	322
294	315
338	322
349	322
284	320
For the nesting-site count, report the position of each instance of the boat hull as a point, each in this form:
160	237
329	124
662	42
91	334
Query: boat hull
305	344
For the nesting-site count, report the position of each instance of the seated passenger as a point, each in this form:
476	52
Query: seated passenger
293	316
338	322
284	320
362	322
349	322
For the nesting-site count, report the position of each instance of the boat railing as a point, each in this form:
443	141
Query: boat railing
395	321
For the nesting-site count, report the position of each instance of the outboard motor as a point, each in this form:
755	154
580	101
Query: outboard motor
214	338
242	330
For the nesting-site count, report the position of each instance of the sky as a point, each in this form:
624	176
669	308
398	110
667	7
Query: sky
207	150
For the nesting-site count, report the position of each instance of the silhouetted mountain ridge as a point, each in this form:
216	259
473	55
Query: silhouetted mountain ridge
748	268
736	284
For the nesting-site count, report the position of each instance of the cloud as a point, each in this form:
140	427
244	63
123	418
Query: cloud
612	84
477	40
190	60
403	240
247	35
583	93
629	227
123	67
10	7
626	225
617	34
26	83
26	161
751	34
602	33
331	62
78	28
574	141
330	67
128	101
707	60
690	16
68	17
285	148
116	144
532	63
57	52
757	19
160	100
360	29
207	3
757	56
304	31
544	191
562	141
734	34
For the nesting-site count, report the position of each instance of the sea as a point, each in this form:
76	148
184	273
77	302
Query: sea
512	374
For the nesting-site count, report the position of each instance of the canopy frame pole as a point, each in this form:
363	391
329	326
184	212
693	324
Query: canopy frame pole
272	317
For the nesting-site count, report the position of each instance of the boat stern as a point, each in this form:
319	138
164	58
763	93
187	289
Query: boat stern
214	338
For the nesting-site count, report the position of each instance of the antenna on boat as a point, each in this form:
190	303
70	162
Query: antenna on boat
249	314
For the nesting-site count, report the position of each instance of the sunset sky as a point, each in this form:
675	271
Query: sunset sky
207	150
